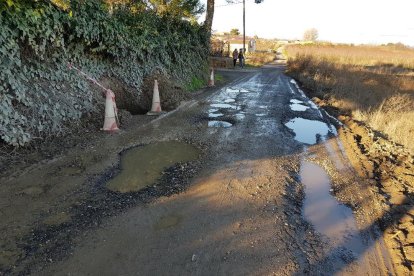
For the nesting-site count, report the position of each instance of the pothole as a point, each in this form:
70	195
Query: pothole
167	222
219	124
308	131
224	106
143	165
297	106
215	115
330	218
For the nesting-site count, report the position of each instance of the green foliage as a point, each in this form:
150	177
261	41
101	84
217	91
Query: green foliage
195	84
40	95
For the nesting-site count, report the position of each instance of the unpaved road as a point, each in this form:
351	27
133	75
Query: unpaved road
251	204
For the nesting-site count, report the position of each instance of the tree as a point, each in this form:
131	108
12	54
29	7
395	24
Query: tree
234	31
208	23
310	34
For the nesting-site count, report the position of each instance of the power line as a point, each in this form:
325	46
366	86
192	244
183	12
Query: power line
229	4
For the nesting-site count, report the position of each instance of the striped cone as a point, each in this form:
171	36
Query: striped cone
111	112
211	80
156	102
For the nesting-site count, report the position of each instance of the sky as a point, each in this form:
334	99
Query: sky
346	21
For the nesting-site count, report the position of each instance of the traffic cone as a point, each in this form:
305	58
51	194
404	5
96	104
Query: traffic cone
111	112
156	102
211	80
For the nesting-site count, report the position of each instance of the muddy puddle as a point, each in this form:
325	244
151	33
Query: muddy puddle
167	222
308	131
215	115
142	166
298	107
333	220
219	124
225	106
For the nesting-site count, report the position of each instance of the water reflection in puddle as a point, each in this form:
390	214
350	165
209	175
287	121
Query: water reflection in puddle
306	131
298	107
215	115
294	101
240	116
327	215
219	124
217	105
261	114
142	166
229	100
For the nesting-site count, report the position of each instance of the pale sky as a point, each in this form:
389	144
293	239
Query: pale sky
348	21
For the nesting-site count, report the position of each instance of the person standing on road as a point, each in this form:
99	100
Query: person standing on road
241	58
235	57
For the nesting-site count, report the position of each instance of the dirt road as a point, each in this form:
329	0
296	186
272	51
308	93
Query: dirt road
251	194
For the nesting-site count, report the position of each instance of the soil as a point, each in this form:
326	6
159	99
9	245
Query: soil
237	209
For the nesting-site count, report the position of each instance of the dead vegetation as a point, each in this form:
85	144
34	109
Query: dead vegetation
259	58
373	84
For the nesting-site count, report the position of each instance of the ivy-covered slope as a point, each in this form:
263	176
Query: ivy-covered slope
40	96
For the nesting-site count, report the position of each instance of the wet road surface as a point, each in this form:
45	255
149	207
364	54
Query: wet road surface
258	206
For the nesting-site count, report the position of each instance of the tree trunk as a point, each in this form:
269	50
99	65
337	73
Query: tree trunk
209	15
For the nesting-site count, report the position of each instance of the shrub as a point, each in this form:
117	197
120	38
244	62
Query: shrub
40	95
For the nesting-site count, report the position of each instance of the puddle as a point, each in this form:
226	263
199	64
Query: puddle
212	110
294	101
142	166
298	107
240	116
215	115
306	131
219	124
330	218
262	106
57	219
167	222
224	106
229	100
261	114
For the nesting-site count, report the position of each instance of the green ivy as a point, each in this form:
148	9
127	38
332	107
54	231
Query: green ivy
40	95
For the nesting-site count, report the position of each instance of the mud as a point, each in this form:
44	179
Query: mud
390	170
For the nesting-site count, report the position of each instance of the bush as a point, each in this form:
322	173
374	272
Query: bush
40	95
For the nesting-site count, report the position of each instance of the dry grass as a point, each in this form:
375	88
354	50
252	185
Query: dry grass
259	59
374	84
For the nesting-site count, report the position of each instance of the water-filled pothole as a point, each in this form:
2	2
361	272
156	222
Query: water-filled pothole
229	100
215	115
330	218
295	101
221	105
219	124
142	166
307	131
298	107
167	222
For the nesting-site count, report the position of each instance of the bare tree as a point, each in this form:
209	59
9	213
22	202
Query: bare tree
310	34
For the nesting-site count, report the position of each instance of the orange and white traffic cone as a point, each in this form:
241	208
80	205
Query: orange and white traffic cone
211	80
111	112
156	102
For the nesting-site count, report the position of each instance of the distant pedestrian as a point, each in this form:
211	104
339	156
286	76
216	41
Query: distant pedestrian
235	57
241	58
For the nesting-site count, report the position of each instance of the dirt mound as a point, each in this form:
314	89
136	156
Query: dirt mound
390	168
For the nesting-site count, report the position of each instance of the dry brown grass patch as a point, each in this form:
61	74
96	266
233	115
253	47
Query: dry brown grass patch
374	84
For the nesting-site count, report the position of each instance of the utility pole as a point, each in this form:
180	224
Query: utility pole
244	27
